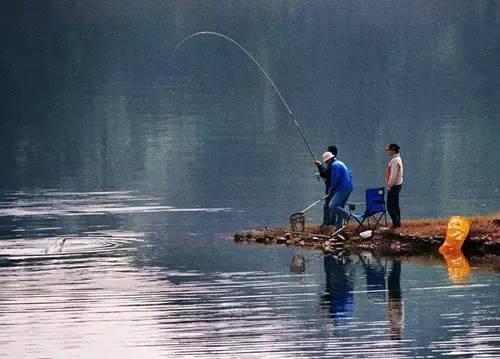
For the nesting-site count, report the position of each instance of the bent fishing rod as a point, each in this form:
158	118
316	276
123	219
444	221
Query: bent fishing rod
266	75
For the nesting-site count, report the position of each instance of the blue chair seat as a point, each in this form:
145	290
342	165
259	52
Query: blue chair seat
374	209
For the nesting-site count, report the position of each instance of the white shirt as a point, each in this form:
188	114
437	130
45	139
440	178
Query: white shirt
394	175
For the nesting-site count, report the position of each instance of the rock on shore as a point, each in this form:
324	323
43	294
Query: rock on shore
415	237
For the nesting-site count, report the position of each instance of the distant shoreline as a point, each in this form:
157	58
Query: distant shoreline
412	238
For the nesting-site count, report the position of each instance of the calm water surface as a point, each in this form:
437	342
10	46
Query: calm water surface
123	176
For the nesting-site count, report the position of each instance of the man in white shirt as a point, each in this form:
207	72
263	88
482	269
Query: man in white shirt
394	181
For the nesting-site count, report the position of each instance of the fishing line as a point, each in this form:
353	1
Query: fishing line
246	52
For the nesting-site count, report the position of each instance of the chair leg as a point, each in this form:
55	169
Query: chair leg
360	225
378	220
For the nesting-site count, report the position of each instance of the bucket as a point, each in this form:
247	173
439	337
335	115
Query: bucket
456	233
298	222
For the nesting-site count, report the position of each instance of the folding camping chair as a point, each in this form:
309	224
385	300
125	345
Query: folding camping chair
374	211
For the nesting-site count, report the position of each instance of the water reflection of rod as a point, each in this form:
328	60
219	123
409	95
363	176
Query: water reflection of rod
234	42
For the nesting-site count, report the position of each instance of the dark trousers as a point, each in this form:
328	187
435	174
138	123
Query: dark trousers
393	205
328	215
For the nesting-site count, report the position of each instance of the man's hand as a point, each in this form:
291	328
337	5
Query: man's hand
317	163
388	188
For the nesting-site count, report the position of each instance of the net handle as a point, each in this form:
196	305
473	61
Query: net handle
313	204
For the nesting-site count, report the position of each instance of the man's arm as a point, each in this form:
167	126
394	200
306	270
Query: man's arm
393	173
334	179
321	169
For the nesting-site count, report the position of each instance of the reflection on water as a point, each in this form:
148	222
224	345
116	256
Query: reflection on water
458	266
395	304
375	274
298	264
340	282
56	203
339	273
106	288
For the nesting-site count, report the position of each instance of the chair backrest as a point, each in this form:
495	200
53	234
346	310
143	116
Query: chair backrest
375	200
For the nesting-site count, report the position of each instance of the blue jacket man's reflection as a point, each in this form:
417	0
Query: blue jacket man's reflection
339	286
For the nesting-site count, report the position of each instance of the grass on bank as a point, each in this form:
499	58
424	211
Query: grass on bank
485	225
481	225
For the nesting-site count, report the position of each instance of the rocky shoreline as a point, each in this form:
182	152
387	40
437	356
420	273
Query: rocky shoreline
413	238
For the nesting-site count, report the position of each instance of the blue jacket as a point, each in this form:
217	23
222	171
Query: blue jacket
341	179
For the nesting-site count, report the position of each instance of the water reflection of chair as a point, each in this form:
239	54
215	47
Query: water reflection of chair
395	307
339	273
375	275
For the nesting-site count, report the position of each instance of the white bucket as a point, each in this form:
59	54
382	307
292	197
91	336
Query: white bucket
366	234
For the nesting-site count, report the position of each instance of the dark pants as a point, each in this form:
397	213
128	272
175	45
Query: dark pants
393	205
328	215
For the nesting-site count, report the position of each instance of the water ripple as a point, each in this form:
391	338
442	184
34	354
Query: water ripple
53	203
82	290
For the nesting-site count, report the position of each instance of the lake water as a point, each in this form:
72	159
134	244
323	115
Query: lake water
124	175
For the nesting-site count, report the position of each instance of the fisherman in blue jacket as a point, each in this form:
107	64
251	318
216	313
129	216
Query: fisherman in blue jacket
341	188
